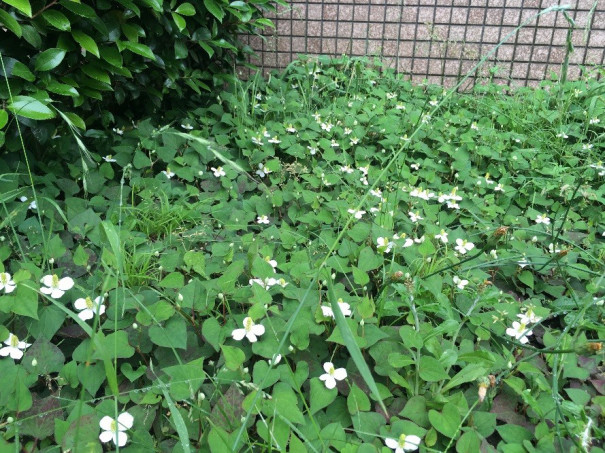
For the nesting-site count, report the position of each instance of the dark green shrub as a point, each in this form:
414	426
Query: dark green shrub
105	62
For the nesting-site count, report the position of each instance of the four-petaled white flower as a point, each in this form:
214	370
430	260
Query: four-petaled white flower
218	171
332	375
262	219
459	282
262	170
113	430
6	283
443	236
89	308
345	308
520	331
187	126
273	263
54	287
109	158
250	331
542	218
415	216
528	317
14	347
404	443
346	169
274	140
384	245
169	173
463	246
357	214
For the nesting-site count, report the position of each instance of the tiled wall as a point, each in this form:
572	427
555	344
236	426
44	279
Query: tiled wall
439	40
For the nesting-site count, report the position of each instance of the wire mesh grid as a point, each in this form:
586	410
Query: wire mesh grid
439	40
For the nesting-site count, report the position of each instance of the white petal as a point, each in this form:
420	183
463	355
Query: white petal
16	353
125	421
411	442
328	367
258	329
101	309
65	283
23	345
46	290
106	436
330	381
47	280
251	337
238	334
122	438
5	351
327	311
391	443
80	304
56	293
106	424
85	315
10	287
340	374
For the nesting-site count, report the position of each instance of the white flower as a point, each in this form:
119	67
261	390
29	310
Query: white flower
452	205
327	126
250	331
376	192
459	282
346	169
529	317
169	174
404	443
384	245
291	129
594	120
542	218
400	106
523	263
89	308
6	282
415	216
443	236
118	131
474	126
499	188
358	214
494	254
345	308
334	144
463	246
273	263
332	375
312	150
274	140
552	248
218	171
262	219
113	430
187	126
14	347
422	193
415	166
316	116
354	141
109	158
562	135
262	170
55	287
258	141
433	102
586	146
519	331
408	243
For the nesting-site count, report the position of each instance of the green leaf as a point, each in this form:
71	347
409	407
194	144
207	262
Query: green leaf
528	278
214	9
22	5
234	357
3	118
469	441
115	345
22	71
211	330
139	49
368	260
48	358
431	369
49	59
357	400
57	19
321	396
26	300
172	335
31	108
76	120
446	422
61	88
185	9
86	42
196	261
467	374
179	20
94	72
173	280
10	23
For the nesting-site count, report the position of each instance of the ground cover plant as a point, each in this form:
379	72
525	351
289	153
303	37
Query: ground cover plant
332	259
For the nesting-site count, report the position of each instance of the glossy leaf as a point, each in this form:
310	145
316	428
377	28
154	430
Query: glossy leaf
30	107
57	19
22	5
86	42
10	23
49	59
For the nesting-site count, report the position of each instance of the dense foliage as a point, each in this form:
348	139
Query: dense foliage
333	259
103	63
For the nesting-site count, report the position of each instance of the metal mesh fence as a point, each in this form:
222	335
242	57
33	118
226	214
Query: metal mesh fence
439	40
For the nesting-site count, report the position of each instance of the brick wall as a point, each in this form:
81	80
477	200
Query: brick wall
439	40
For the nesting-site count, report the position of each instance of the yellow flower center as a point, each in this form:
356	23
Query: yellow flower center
402	440
3	278
89	303
114	426
55	283
332	370
14	341
249	324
